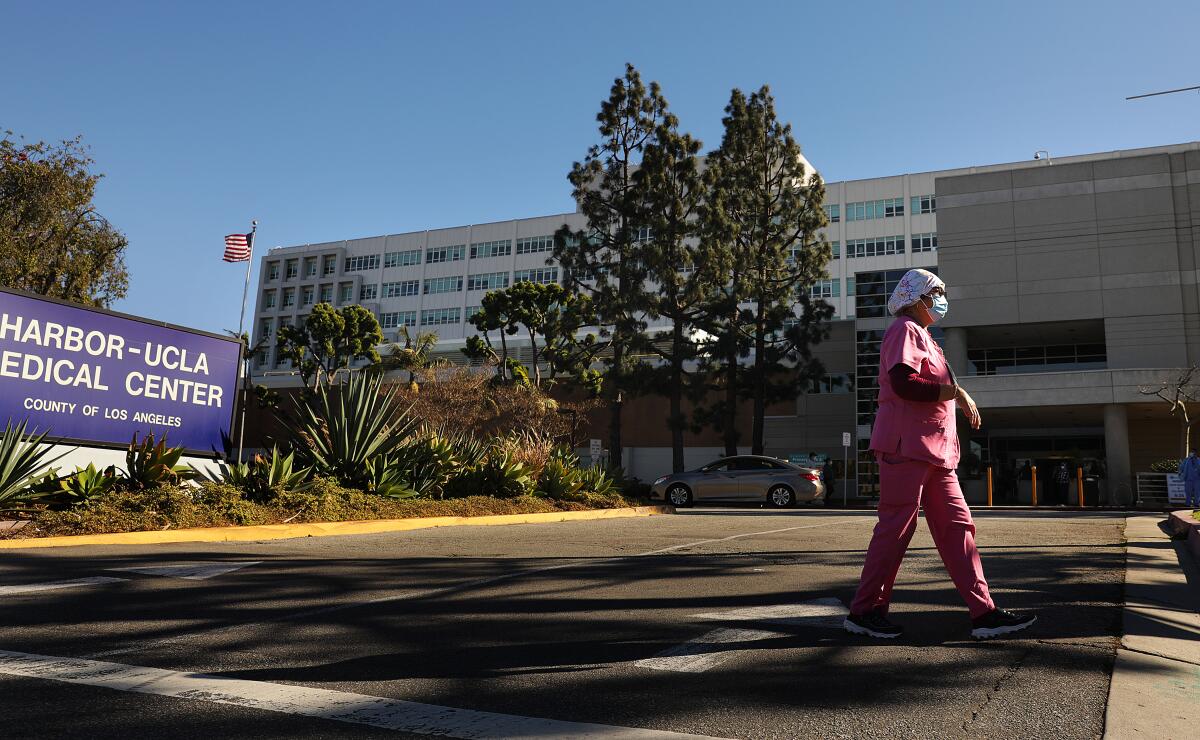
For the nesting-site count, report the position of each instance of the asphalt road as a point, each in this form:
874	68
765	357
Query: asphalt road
714	622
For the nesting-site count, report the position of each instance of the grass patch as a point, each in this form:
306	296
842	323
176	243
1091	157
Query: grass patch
1196	515
221	505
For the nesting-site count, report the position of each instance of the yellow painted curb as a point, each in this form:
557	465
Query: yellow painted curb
324	529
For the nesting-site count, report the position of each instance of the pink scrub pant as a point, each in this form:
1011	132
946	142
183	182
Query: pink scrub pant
905	486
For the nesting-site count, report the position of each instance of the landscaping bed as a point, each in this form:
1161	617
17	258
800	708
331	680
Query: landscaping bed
220	505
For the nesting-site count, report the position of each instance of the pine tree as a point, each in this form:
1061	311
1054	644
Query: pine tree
765	208
604	261
680	266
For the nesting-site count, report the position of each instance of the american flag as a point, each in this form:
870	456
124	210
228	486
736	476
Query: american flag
237	247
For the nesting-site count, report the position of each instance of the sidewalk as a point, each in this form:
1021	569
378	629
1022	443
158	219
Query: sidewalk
1155	690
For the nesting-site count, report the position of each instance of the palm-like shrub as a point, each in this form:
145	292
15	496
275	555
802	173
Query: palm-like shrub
500	475
22	456
88	483
559	480
151	465
344	431
596	480
264	477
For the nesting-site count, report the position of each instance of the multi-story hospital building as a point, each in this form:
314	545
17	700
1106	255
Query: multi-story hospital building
1073	282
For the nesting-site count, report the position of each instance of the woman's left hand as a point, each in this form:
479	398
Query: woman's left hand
967	404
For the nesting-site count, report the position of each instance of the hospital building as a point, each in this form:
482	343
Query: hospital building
1072	284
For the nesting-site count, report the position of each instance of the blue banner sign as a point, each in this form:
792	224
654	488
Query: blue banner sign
96	377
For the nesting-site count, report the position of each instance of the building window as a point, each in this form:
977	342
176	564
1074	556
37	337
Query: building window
833	213
310	267
471	311
836	247
364	262
541	275
306	295
368	292
924	243
644	234
441	316
875	247
272	271
483	250
826	289
292	270
1036	359
401	289
289	297
849	286
445	254
264	329
268	299
488	281
326	294
402	259
328	264
832	383
396	319
451	284
924	204
345	292
872	290
535	244
869	209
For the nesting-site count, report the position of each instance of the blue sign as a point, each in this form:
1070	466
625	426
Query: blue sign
96	377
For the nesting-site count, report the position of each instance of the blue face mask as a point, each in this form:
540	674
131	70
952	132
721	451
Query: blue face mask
940	307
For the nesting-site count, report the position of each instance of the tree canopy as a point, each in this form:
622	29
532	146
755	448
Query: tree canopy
53	241
330	339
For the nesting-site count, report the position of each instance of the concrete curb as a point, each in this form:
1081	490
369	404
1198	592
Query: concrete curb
1155	689
325	529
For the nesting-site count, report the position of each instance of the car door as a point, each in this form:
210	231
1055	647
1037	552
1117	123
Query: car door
716	481
754	477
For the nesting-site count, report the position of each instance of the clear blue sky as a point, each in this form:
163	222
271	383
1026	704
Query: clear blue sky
337	120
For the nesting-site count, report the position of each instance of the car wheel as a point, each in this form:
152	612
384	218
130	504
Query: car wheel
679	495
781	497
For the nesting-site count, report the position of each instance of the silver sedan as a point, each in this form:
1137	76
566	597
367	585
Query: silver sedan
750	478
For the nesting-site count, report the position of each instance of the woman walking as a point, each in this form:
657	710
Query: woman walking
916	443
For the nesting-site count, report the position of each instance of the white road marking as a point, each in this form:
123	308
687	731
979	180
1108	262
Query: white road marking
199	571
29	588
704	652
444	590
713	648
340	706
824	612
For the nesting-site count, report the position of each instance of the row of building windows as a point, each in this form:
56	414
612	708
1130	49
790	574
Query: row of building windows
402	259
535	244
405	288
870	209
483	250
362	262
488	281
875	246
396	319
401	289
1025	359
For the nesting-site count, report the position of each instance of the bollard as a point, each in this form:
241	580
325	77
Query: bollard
989	485
1079	480
1033	481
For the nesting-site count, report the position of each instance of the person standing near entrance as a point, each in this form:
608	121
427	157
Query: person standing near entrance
1062	483
1189	470
916	444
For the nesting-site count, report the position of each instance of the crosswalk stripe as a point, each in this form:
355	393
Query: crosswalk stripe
340	706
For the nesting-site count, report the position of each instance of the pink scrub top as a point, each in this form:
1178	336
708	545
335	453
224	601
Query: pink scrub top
914	429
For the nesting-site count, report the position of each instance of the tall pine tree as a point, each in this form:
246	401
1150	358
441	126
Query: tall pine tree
765	208
683	271
605	261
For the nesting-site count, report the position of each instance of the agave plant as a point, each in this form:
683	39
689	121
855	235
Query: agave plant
560	480
88	483
389	480
500	475
149	465
22	456
264	477
597	480
342	431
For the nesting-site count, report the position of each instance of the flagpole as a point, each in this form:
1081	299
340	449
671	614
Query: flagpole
241	329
